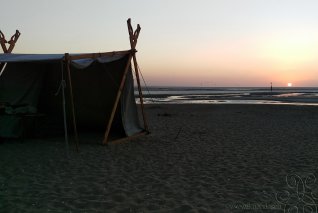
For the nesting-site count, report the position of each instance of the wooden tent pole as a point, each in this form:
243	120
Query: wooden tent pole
140	95
12	41
3	42
120	89
133	37
67	61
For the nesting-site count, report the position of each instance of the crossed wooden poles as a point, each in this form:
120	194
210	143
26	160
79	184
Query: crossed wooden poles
133	37
11	43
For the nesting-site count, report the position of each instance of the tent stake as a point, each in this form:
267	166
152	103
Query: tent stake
67	60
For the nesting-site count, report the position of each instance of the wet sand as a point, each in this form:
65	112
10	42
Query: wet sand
198	158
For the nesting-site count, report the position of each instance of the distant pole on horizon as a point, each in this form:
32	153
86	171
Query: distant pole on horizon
271	87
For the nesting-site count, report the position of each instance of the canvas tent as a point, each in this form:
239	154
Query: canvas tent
77	92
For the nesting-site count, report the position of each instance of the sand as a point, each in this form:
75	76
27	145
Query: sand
198	158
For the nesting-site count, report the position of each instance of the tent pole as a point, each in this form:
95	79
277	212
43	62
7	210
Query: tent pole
3	42
133	37
67	60
63	84
122	84
12	42
140	94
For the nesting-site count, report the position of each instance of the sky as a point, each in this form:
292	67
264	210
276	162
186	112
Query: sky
210	43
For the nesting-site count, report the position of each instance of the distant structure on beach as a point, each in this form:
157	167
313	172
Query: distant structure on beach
271	86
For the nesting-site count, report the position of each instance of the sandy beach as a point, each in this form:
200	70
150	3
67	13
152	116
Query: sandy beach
198	158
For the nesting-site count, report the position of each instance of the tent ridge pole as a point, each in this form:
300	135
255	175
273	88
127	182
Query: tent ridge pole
67	62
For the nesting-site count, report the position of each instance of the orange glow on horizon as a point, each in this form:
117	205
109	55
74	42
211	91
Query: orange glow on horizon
289	50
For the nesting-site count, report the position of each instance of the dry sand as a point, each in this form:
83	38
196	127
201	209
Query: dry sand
199	158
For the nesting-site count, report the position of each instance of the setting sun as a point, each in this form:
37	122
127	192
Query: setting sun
289	84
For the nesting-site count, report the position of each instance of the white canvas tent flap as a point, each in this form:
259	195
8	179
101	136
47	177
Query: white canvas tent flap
84	63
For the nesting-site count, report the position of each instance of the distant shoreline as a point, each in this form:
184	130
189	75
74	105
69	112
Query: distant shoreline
233	95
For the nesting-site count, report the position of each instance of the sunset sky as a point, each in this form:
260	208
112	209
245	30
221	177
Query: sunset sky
182	43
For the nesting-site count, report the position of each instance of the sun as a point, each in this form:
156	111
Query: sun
289	84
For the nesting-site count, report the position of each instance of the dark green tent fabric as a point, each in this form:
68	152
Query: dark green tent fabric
34	87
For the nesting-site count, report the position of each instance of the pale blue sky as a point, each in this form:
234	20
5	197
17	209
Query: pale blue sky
204	42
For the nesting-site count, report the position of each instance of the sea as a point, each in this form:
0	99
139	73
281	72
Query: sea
229	95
